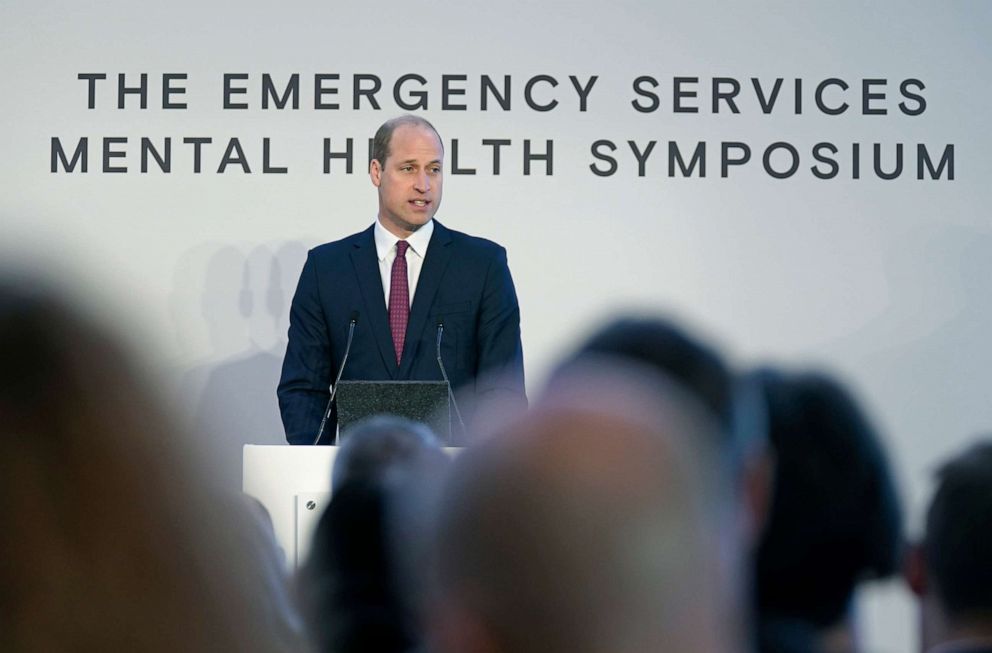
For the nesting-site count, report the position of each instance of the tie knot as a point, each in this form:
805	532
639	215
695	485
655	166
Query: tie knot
401	247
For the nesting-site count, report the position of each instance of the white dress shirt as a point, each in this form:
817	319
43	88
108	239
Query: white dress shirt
385	249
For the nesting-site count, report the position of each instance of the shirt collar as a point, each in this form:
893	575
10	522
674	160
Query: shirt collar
418	240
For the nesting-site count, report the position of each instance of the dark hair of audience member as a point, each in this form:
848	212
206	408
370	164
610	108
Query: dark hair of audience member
661	344
701	371
835	517
587	524
112	542
382	447
958	534
360	583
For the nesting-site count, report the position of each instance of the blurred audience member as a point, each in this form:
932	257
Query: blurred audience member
951	571
587	525
702	372
384	449
834	518
661	344
112	541
741	439
363	581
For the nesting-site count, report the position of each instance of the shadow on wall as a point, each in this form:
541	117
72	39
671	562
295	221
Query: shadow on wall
236	307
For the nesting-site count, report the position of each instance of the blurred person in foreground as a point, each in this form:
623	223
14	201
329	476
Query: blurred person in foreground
586	526
951	569
113	539
699	369
362	583
740	439
834	521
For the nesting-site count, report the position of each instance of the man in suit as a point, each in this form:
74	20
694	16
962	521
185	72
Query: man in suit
399	279
951	570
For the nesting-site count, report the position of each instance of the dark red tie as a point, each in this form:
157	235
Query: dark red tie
399	299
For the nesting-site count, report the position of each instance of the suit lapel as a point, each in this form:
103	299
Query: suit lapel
366	263
435	263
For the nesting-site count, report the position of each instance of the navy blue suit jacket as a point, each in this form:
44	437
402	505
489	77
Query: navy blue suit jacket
464	280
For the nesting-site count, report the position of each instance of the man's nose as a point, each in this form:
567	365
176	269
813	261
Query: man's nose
422	183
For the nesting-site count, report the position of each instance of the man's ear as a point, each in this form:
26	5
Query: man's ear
375	172
914	569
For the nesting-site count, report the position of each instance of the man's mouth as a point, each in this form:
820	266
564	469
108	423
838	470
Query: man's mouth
420	203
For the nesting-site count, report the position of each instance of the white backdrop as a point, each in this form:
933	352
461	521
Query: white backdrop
881	280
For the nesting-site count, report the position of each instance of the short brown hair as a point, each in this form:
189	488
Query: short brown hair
383	135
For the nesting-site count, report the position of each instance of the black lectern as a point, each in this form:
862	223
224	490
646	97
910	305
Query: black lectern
420	401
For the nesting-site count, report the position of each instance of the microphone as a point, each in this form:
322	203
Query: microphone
334	388
444	374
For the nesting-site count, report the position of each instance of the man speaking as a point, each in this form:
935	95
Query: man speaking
397	281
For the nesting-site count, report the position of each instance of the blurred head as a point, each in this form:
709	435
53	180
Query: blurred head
407	169
113	540
363	581
701	372
835	517
663	345
380	447
585	525
697	367
954	575
959	533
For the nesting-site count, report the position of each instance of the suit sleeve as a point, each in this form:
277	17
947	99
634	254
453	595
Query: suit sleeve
499	358
306	370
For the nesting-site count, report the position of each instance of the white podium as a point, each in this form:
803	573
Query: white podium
294	485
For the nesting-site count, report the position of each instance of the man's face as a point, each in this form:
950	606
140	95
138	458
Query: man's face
409	180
